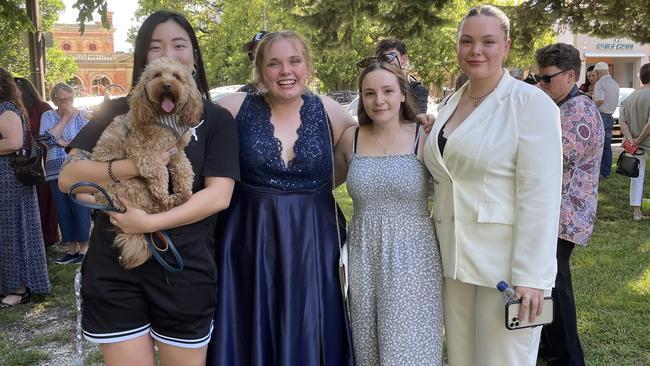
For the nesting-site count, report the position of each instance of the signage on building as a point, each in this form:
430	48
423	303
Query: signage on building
615	46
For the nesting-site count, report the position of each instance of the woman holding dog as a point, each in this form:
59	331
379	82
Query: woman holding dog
127	310
280	301
495	153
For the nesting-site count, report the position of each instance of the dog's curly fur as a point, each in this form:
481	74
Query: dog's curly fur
136	136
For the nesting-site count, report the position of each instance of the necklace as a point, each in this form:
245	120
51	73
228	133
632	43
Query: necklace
477	100
383	147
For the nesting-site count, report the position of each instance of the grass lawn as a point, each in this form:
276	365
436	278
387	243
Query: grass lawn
611	280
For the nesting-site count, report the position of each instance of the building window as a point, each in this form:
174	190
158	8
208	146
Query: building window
67	46
98	84
92	47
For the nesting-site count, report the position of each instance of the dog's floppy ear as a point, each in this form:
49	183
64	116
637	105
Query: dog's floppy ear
140	104
193	109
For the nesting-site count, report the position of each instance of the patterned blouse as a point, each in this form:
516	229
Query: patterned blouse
582	141
55	152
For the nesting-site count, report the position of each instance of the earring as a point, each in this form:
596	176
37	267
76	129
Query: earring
194	71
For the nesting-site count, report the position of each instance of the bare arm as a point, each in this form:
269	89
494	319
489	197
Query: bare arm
11	130
599	102
232	102
214	197
341	120
645	132
625	128
342	155
79	168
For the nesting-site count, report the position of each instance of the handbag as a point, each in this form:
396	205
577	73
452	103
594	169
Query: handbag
343	247
628	165
28	161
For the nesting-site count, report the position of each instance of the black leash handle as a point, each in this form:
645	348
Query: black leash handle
153	248
95	206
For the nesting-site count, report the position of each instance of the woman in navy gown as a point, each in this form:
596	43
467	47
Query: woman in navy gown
279	299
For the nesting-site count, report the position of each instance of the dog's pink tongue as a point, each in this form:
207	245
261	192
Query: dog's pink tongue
167	105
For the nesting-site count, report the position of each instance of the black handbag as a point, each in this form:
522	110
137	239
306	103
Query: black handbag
28	161
628	165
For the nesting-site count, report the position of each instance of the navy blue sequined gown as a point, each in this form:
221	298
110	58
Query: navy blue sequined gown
279	299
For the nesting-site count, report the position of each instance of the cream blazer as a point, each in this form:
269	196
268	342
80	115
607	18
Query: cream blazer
497	189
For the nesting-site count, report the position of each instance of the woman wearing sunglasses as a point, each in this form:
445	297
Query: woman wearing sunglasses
279	300
395	271
495	153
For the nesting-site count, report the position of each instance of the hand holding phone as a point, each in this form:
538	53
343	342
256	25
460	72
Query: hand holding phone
512	320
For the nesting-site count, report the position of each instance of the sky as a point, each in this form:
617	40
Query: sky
122	19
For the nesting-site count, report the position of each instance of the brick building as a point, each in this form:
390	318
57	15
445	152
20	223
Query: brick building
100	67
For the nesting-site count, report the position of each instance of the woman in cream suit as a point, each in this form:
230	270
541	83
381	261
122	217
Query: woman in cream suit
495	153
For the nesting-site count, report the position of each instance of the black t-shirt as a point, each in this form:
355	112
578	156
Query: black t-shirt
213	149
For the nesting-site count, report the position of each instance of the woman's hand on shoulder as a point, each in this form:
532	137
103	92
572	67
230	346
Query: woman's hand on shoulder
426	120
232	102
341	119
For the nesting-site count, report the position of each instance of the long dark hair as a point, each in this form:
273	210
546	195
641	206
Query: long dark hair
9	92
30	95
144	38
406	108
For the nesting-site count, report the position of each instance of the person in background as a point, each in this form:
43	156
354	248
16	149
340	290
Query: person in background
23	268
634	119
582	142
36	106
396	49
280	300
495	154
59	127
395	271
126	311
590	81
606	98
250	48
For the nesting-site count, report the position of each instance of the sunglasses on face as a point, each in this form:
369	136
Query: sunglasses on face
385	58
547	78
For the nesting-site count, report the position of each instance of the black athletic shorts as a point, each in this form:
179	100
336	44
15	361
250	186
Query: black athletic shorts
175	308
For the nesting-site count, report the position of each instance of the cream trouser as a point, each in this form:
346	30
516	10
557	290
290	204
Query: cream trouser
636	184
476	333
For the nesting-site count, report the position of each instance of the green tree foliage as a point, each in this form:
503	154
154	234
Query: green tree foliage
340	32
603	18
14	23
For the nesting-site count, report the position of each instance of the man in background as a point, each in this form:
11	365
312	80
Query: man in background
606	98
635	125
397	47
249	48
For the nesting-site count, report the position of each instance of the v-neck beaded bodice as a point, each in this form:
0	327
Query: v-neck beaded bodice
260	156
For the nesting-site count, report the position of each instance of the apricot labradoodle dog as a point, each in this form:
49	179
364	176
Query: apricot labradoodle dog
165	104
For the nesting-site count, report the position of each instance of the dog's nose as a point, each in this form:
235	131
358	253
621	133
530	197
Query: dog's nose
167	86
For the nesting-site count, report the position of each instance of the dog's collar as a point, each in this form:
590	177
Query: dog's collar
171	123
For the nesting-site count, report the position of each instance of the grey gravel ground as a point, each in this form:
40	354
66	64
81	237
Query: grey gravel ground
50	332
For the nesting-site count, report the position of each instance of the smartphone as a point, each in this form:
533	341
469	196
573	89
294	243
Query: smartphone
512	315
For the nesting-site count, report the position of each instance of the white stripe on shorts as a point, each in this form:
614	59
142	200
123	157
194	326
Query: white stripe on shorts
184	343
117	336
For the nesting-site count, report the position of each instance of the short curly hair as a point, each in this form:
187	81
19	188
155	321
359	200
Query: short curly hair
561	55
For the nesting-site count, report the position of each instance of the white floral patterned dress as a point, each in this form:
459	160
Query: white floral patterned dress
395	273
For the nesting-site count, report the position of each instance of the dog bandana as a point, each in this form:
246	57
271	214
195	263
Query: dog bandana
171	123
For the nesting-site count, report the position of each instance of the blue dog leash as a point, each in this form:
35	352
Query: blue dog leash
153	248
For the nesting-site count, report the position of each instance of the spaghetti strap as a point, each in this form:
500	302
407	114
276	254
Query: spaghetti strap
354	141
417	139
